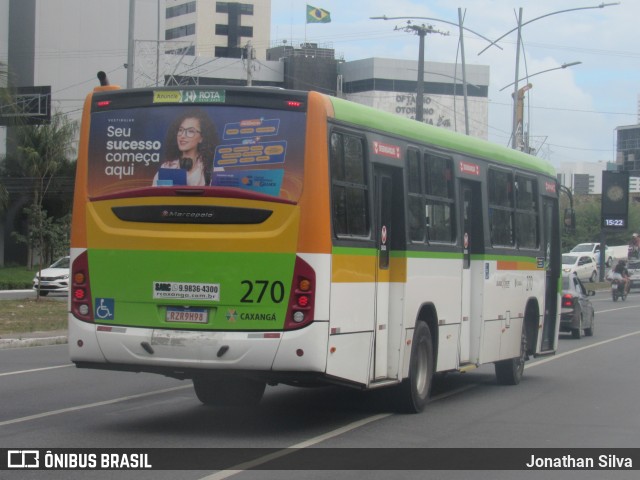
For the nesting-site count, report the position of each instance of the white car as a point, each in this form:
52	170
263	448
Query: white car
54	278
594	249
583	265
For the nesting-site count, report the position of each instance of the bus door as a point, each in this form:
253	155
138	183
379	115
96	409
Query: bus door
388	307
472	244
551	247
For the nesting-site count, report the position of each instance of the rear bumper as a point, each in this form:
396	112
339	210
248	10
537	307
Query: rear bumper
62	287
172	351
568	321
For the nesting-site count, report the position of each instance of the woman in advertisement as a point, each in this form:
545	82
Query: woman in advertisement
190	145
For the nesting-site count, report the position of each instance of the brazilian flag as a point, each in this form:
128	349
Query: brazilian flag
317	15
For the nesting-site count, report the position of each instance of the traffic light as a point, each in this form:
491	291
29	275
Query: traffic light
615	200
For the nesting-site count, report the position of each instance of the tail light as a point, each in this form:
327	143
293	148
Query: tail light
302	296
567	301
80	289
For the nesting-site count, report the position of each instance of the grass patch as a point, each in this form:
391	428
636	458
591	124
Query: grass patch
16	278
29	315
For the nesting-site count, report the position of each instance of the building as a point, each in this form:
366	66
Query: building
63	44
307	67
212	28
582	178
628	149
585	178
390	85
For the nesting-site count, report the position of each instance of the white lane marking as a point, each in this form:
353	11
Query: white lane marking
313	441
616	309
236	469
36	370
91	405
222	474
576	350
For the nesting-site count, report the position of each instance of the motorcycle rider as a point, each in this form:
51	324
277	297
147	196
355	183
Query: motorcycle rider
620	272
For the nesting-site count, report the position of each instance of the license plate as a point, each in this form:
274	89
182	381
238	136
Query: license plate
189	315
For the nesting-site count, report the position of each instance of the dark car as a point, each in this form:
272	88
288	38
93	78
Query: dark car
577	312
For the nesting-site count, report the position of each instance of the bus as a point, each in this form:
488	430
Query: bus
240	237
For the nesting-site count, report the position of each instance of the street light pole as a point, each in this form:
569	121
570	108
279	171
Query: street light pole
495	42
564	65
519	42
518	98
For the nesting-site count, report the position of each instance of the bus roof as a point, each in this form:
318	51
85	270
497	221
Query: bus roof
421	132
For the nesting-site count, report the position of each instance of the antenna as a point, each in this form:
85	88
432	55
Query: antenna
104	81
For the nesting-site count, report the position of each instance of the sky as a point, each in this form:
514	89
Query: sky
571	113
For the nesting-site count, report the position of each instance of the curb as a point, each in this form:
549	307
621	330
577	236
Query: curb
32	341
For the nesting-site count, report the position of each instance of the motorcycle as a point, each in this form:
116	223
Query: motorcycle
618	289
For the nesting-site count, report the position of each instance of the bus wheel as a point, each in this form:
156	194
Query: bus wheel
509	372
413	394
228	391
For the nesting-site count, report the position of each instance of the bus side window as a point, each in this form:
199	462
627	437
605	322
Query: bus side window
500	187
349	190
439	199
418	218
526	212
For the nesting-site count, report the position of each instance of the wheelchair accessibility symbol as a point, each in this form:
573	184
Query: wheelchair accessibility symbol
105	308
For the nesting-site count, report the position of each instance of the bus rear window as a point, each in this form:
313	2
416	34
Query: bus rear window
254	149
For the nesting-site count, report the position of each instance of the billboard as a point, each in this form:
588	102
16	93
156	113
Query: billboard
25	106
615	200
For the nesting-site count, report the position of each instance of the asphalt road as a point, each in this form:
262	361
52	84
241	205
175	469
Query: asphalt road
586	396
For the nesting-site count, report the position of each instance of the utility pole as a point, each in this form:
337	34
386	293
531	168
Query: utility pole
464	74
130	51
421	31
250	56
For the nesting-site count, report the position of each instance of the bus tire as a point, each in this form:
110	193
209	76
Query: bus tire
227	390
509	372
413	394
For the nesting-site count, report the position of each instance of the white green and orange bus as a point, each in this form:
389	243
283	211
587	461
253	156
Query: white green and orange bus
240	237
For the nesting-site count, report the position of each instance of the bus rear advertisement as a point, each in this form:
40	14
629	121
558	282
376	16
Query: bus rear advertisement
240	237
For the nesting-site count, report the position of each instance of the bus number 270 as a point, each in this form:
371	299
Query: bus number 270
256	290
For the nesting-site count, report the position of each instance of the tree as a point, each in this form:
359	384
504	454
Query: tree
43	151
52	238
587	208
